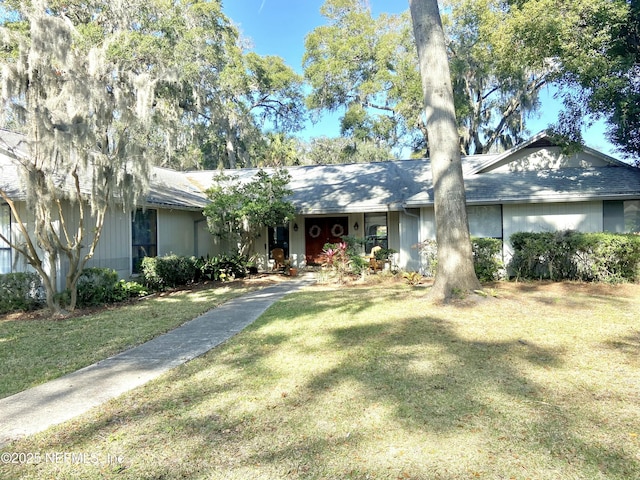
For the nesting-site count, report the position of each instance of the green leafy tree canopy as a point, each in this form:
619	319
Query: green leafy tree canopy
239	211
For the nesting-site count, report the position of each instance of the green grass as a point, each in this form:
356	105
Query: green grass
34	351
375	383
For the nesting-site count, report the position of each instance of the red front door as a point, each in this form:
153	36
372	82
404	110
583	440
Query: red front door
319	231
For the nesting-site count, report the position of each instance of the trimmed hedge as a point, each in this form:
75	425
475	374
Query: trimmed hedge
169	271
159	273
20	292
99	286
487	258
571	255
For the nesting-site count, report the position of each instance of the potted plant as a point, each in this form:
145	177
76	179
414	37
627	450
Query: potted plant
290	270
382	256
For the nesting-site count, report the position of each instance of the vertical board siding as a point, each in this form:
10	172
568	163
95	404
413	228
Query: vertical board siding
409	227
549	217
114	248
176	232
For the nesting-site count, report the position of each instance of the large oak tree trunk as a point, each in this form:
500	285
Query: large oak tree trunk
455	272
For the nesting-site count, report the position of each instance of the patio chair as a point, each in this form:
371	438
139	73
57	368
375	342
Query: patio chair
278	258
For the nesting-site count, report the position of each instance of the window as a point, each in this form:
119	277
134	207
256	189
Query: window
375	230
632	216
5	230
621	216
144	237
485	221
279	238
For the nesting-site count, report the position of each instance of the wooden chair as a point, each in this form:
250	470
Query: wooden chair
278	258
373	263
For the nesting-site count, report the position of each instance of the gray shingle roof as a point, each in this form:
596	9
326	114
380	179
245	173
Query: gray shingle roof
559	185
358	187
383	186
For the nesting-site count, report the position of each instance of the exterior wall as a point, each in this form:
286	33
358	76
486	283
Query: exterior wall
487	221
393	230
177	232
546	217
546	158
114	248
297	247
427	224
409	236
19	262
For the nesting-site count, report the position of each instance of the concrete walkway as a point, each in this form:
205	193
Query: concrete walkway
54	402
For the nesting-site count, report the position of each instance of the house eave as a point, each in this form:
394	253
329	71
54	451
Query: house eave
558	198
341	210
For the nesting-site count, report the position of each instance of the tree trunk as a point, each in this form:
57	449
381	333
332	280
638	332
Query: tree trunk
455	273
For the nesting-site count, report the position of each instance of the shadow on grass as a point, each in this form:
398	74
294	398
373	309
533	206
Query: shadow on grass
628	345
462	385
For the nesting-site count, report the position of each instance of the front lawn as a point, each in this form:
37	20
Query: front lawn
540	382
35	348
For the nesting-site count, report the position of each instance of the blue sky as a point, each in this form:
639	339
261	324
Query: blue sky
279	27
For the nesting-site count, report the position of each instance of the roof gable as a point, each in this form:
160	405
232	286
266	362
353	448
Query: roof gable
541	153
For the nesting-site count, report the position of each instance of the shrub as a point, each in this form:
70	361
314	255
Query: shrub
96	286
99	286
487	258
345	258
336	259
222	267
546	255
609	257
429	252
20	292
169	271
149	272
412	278
571	255
354	250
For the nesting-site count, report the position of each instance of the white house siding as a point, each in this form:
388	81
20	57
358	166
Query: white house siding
19	262
548	217
427	224
176	232
205	242
296	243
544	159
409	236
393	230
114	248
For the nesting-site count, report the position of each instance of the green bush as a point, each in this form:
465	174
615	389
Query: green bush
429	252
487	258
169	271
354	251
20	292
99	286
345	258
222	267
571	255
96	286
607	257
